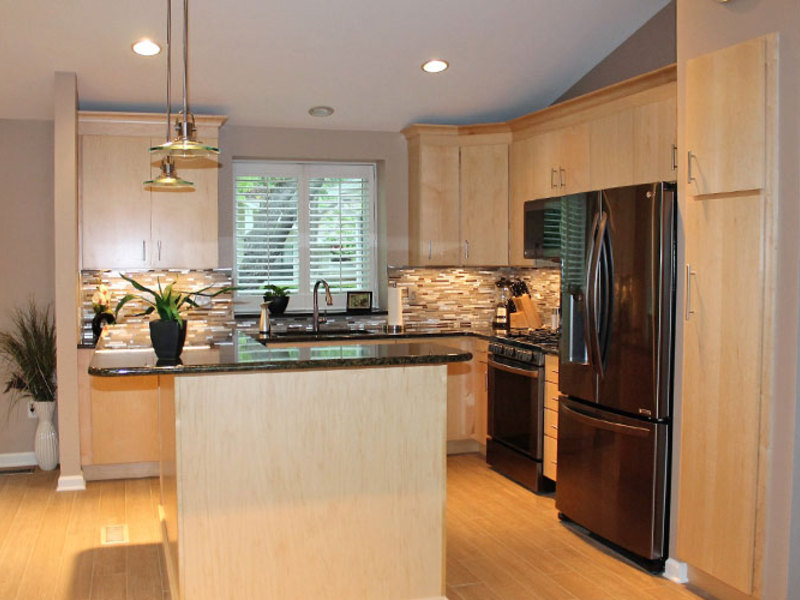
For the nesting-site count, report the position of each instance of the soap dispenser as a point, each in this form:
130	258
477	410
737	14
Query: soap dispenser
263	322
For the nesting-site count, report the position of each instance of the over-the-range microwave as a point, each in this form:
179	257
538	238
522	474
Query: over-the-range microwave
542	229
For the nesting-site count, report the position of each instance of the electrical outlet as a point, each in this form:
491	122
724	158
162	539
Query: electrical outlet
31	411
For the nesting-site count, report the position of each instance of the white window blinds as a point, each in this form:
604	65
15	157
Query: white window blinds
298	223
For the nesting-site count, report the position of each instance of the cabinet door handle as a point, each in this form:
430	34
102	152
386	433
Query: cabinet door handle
144	250
430	249
562	177
553	183
689	169
674	157
554	427
159	250
689	273
466	249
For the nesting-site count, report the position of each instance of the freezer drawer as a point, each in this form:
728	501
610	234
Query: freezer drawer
612	476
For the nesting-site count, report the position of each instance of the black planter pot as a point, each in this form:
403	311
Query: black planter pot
277	305
167	338
99	321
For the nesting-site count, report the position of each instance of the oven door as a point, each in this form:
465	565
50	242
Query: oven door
516	407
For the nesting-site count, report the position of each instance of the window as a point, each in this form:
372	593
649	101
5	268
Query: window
296	223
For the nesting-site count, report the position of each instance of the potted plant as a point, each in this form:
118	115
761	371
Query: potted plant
101	305
29	351
168	333
277	298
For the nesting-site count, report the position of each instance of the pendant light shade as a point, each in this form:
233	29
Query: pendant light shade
168	179
185	143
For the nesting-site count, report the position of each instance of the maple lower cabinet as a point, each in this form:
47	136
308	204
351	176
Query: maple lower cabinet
727	352
125	225
550	448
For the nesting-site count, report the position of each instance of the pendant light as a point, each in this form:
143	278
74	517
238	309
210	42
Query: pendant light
168	178
184	144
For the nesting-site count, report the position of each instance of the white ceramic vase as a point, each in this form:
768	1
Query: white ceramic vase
45	443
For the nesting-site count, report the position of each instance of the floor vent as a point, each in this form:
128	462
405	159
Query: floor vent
17	471
114	534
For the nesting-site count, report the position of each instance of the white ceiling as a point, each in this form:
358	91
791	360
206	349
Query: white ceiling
266	62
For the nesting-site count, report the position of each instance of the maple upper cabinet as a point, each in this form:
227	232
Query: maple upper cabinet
729	314
484	204
612	150
433	199
560	161
458	197
726	119
655	139
126	226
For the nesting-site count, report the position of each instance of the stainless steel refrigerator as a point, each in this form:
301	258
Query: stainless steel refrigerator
615	365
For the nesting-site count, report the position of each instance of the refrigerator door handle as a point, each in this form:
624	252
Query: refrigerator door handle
586	300
605	295
592	296
600	423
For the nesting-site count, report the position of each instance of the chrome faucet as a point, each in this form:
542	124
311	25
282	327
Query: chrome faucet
328	300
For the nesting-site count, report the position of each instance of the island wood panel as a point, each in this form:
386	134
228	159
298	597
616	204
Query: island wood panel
655	140
433	206
726	118
722	388
184	221
311	484
115	207
168	507
484	204
611	150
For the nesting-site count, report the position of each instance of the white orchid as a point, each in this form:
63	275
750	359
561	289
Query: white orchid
101	299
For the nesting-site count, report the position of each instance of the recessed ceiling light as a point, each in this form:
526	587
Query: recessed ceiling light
320	111
146	47
436	65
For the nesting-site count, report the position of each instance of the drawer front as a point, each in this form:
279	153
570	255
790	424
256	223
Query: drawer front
551	423
549	458
551	395
551	368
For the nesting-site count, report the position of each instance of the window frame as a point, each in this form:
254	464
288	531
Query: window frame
305	171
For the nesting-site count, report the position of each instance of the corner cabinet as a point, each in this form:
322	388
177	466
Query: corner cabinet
458	197
125	226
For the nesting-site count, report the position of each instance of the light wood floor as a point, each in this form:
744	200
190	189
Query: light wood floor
50	542
506	543
503	543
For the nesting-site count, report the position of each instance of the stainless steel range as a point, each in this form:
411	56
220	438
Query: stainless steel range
516	406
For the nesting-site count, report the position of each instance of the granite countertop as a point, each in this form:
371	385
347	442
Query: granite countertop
245	353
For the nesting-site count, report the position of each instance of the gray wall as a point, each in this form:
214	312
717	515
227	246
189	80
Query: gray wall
388	150
26	244
651	47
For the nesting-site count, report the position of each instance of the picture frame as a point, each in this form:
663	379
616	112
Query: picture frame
359	302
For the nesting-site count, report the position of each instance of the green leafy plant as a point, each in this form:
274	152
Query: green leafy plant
168	302
29	351
275	291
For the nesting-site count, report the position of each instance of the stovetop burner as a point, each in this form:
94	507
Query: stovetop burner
534	336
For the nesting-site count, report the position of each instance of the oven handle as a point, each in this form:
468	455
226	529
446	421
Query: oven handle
599	423
534	374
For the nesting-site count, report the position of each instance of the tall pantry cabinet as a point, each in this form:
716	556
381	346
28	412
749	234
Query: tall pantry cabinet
729	225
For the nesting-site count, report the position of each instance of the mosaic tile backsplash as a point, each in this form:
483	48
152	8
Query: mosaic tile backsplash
464	297
443	298
208	323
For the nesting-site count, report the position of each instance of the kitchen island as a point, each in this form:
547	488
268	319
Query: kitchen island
289	473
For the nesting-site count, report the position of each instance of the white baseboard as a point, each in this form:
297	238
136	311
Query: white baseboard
71	483
676	571
17	459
